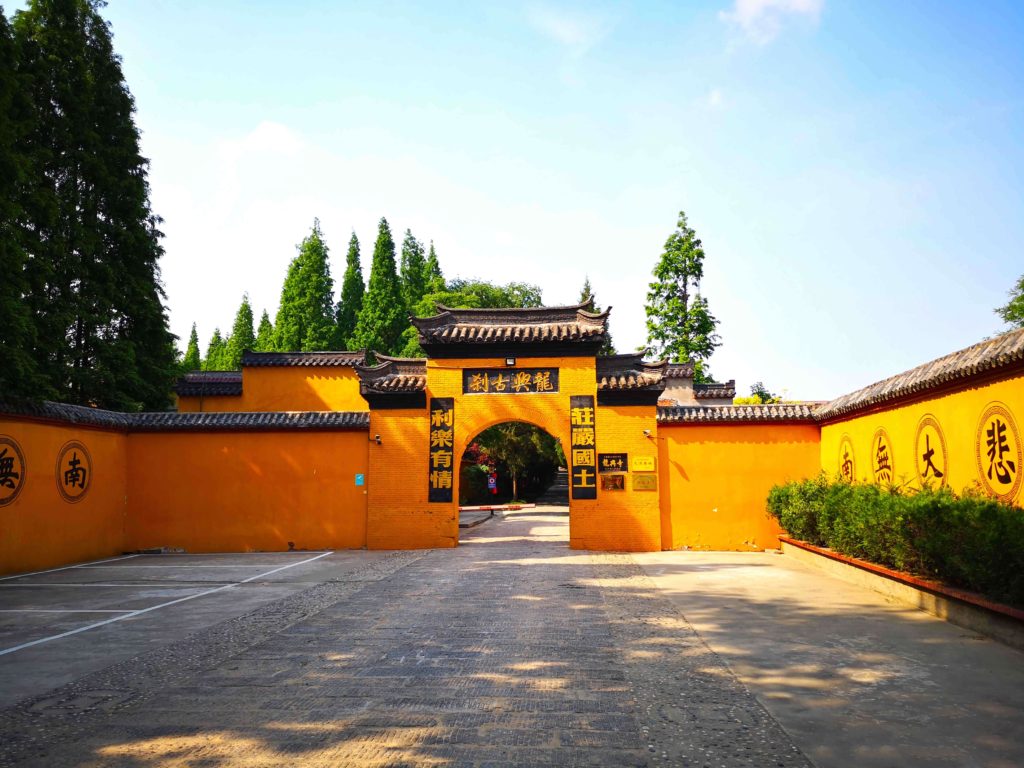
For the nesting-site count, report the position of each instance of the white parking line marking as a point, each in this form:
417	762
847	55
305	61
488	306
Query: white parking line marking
58	610
65	568
153	585
141	611
133	565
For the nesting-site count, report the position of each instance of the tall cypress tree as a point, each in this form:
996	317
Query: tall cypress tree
216	353
433	277
192	361
586	292
264	335
383	318
413	271
242	337
679	324
351	301
305	317
93	241
19	372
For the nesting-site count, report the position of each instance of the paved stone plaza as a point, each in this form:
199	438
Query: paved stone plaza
510	650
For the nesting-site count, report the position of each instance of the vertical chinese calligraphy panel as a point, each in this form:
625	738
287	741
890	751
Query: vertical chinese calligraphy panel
584	447
441	472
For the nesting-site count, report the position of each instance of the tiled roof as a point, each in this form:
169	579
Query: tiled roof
679	371
69	414
206	383
393	375
308	359
715	390
169	421
1003	351
696	414
513	326
200	422
629	372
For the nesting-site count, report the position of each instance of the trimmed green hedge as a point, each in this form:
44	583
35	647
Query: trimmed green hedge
970	541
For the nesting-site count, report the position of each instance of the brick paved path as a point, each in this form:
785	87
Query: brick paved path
510	650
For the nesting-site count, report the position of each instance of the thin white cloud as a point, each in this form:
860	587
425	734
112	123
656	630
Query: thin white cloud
716	99
762	20
576	31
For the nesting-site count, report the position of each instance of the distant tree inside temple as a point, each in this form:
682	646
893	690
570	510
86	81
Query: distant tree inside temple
414	269
759	395
306	315
217	353
264	334
242	336
192	360
586	292
1013	311
680	326
384	317
433	277
350	302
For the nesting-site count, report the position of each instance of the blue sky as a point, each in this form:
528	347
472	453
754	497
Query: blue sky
854	169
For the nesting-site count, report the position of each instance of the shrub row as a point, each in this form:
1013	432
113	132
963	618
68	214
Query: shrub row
970	540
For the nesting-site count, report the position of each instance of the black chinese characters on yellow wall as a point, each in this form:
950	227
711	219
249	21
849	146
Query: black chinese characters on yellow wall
584	447
442	449
12	470
509	381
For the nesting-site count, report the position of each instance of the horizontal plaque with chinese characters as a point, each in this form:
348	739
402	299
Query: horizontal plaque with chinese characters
509	381
442	449
612	462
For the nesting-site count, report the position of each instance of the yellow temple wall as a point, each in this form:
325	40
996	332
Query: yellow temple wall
715	481
287	388
959	415
247	491
39	529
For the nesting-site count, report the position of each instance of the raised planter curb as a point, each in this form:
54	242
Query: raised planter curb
497	508
965	609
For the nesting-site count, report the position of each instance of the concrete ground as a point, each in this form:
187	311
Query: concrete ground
510	650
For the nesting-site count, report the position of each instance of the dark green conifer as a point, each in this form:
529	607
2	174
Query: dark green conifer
264	335
19	372
351	301
93	244
608	348
192	361
434	279
216	353
414	269
384	315
305	317
242	338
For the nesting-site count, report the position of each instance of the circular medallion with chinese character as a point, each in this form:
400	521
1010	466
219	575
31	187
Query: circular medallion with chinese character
881	458
12	470
74	471
998	450
930	452
847	466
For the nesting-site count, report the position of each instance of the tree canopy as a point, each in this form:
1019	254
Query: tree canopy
90	240
242	337
383	318
351	302
586	292
1013	311
680	325
192	360
306	315
264	335
414	269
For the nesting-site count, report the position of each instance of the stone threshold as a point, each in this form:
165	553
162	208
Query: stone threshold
965	609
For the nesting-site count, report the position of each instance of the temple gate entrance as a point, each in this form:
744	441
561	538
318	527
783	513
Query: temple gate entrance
488	366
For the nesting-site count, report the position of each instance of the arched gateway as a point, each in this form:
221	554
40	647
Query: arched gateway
537	365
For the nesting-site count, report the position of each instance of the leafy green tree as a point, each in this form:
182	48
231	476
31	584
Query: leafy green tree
1013	311
351	300
433	278
759	395
217	353
19	372
192	361
414	269
468	294
305	317
521	450
383	318
264	335
679	324
608	348
242	337
94	243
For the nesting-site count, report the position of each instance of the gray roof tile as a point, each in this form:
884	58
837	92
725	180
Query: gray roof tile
304	359
696	414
